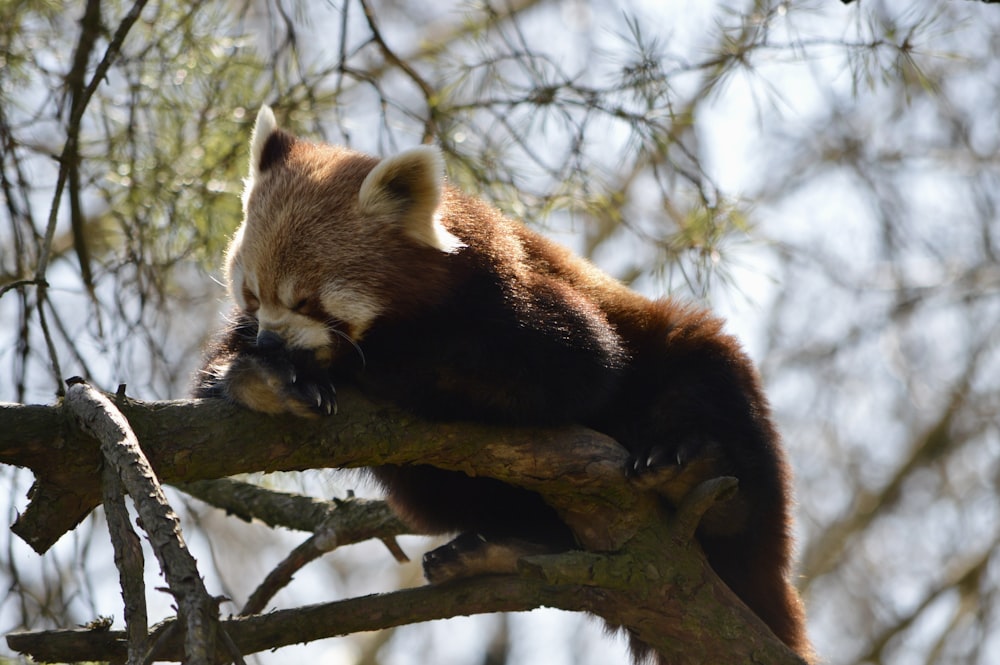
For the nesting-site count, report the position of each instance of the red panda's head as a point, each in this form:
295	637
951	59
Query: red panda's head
332	239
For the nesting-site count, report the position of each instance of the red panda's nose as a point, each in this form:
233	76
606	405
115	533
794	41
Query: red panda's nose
268	340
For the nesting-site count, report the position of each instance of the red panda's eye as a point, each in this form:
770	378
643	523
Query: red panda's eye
251	300
300	305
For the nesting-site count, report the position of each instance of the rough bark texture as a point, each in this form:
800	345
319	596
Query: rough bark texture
129	560
97	416
188	440
642	570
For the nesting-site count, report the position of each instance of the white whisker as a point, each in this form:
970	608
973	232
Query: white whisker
347	338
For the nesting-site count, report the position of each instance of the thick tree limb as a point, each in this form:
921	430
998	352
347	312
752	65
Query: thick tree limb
654	579
189	440
737	643
284	627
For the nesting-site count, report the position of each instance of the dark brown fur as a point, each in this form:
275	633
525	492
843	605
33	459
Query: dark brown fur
511	329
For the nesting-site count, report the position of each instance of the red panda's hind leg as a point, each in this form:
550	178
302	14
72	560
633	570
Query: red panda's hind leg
674	471
472	554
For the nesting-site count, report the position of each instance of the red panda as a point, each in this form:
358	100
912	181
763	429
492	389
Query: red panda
461	313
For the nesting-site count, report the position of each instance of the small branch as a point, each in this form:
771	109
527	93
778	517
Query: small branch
354	519
98	417
390	56
129	561
395	550
20	284
333	524
42	301
698	502
72	131
69	157
318	544
90	30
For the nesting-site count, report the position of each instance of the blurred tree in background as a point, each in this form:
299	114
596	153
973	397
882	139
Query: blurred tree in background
828	177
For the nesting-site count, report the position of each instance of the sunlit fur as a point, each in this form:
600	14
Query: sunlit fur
377	273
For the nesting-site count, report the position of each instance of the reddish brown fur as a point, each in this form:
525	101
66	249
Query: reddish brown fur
508	328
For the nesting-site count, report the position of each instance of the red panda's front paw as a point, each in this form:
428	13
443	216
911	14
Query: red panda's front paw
273	383
315	392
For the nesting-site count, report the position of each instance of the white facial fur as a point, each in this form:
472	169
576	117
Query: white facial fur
298	331
354	307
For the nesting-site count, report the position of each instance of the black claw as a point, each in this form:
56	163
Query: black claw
300	379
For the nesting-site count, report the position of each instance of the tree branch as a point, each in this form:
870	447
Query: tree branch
332	524
354	519
129	561
189	440
641	569
503	593
97	416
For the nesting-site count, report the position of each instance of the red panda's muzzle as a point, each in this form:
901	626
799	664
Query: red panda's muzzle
268	340
272	343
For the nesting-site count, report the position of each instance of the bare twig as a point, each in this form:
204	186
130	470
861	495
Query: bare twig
90	30
333	523
318	544
110	55
355	519
19	284
67	160
426	89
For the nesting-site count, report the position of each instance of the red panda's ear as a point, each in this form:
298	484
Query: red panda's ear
269	146
408	186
